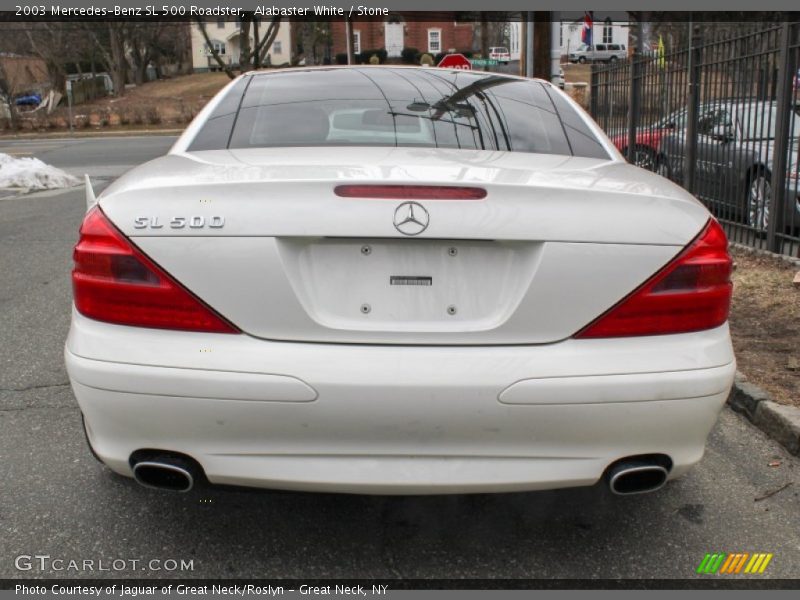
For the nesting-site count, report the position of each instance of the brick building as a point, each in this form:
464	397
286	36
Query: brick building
402	30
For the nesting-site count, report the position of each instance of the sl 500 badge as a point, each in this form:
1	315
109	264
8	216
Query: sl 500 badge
193	222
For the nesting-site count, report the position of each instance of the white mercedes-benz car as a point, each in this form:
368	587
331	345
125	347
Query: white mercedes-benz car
398	281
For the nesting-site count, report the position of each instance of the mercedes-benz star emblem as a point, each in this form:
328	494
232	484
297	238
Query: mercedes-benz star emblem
411	218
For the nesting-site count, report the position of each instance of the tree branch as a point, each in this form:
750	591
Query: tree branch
268	39
225	67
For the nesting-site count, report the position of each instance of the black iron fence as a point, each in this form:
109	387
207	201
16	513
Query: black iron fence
721	118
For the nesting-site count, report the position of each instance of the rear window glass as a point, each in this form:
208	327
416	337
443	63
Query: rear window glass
394	107
217	130
581	139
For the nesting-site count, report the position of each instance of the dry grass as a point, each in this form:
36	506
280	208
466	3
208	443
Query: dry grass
199	85
167	103
765	324
577	73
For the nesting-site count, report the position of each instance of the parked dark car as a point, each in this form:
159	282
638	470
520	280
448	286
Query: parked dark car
648	141
734	155
647	152
32	99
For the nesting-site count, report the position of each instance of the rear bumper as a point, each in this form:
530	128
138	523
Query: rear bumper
382	419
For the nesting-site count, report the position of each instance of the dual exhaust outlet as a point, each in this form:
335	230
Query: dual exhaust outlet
637	475
177	473
171	472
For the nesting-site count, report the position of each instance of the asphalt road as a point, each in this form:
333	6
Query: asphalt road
56	500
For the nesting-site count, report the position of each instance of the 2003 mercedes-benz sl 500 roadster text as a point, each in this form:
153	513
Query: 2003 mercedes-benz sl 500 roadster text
398	280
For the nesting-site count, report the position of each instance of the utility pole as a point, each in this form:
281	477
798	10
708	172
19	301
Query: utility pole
484	38
555	45
541	45
528	44
348	36
634	99
68	89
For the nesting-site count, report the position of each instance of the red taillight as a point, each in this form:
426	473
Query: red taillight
113	281
692	293
410	192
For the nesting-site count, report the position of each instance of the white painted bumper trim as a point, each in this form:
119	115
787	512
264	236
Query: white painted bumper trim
197	383
638	387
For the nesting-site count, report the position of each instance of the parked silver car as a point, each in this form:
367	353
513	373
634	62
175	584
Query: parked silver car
735	148
598	53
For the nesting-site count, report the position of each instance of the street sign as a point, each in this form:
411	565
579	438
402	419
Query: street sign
483	62
455	61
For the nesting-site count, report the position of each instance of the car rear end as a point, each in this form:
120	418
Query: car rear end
512	308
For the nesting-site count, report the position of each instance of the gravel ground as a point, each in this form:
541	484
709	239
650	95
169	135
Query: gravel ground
765	323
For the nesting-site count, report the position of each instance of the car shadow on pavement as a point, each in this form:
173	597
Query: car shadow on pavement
510	535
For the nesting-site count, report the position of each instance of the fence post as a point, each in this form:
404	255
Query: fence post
634	102
593	91
784	109
68	89
693	109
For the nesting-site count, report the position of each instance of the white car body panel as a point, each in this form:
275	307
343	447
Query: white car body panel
281	268
309	291
319	393
530	197
393	419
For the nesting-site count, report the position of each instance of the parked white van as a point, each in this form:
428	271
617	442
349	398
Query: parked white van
598	52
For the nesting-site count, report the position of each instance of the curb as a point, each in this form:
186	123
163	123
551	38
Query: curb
66	135
795	262
778	421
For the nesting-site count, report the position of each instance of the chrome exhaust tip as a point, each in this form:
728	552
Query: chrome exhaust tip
635	477
161	475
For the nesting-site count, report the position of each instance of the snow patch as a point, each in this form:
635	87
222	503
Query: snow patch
32	174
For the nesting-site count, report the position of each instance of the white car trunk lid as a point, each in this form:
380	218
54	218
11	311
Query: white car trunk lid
264	239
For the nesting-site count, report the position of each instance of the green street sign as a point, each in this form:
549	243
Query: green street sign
483	62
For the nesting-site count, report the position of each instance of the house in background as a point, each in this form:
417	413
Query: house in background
604	31
607	28
225	37
447	33
398	31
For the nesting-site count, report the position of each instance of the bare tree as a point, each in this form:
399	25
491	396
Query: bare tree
245	49
262	47
109	40
56	44
7	93
313	36
142	41
53	43
152	42
253	48
210	47
640	31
